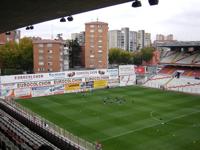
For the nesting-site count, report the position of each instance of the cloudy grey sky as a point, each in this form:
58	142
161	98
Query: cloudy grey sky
178	17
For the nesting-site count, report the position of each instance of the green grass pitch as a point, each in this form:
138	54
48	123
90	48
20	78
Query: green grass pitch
148	119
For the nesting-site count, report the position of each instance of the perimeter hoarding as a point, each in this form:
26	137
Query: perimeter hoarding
113	77
127	80
7	90
126	70
24	78
23	93
72	87
140	69
67	80
34	84
32	77
57	82
100	84
57	89
42	91
127	75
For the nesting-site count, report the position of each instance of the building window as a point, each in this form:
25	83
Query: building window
41	51
50	69
92	30
50	51
50	63
99	26
49	45
40	45
91	26
40	57
100	56
91	56
50	57
100	51
41	63
91	51
91	39
100	30
92	62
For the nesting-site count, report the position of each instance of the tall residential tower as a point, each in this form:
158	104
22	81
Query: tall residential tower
96	48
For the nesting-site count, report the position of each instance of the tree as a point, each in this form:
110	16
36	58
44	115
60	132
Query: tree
137	58
74	53
26	54
17	56
125	57
120	56
9	54
114	55
147	53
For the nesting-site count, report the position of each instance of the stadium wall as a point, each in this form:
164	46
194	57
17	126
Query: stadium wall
44	84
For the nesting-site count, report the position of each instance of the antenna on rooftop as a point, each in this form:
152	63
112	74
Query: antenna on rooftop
52	31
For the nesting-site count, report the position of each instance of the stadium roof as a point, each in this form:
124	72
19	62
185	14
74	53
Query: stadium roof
179	44
20	13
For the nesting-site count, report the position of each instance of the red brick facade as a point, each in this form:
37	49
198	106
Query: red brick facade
96	48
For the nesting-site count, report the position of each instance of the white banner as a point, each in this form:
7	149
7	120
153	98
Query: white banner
24	78
34	84
25	92
126	70
41	91
54	82
8	86
113	82
66	81
113	73
56	75
86	73
127	80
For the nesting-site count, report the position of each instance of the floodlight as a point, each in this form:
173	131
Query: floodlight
136	3
62	19
70	18
31	27
153	2
27	28
8	33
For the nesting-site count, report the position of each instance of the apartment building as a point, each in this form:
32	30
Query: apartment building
50	56
129	40
11	36
96	45
80	37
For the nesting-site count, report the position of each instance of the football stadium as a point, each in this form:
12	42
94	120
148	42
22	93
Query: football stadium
118	107
101	109
126	118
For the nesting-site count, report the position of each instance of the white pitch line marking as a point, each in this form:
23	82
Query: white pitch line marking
142	128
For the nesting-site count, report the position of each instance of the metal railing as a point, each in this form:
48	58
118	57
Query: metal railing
51	127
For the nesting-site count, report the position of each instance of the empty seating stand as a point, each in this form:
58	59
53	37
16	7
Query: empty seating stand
14	135
53	137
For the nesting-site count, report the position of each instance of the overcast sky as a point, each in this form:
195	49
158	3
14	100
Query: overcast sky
178	17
